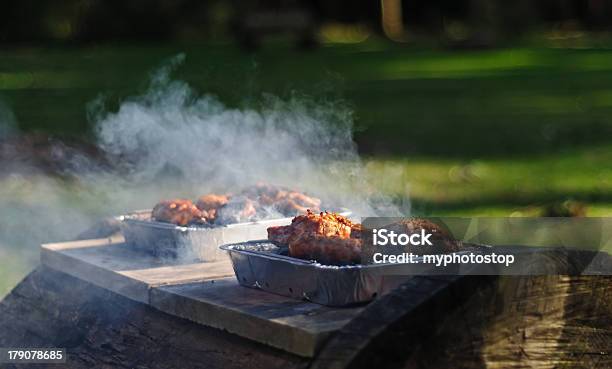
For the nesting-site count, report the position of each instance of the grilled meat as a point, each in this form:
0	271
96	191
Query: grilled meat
292	202
265	194
256	202
333	239
442	240
180	212
327	237
325	224
210	204
238	210
212	201
282	200
326	249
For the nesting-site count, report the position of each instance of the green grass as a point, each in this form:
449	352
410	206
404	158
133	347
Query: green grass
518	186
468	104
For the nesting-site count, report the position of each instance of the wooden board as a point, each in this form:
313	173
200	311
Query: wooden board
110	264
103	330
205	293
292	325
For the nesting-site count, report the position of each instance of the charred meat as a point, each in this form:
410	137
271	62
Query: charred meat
262	201
326	237
237	210
326	250
210	204
178	211
212	201
282	200
324	223
293	202
333	239
442	240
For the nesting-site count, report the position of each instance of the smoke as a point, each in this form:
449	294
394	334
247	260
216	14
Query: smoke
174	136
174	142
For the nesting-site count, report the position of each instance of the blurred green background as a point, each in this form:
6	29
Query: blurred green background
466	108
472	132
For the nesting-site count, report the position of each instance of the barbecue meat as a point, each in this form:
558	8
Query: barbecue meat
330	238
280	235
326	237
210	204
325	224
292	202
281	199
238	210
211	201
265	194
442	240
180	212
261	201
326	249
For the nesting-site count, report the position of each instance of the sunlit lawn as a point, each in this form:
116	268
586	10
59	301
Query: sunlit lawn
468	104
501	187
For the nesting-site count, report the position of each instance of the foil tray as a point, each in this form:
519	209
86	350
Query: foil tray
191	243
263	265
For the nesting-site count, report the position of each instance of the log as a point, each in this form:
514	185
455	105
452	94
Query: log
550	321
481	322
206	293
102	329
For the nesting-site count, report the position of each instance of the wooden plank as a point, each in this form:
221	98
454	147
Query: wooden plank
292	325
101	329
205	293
110	264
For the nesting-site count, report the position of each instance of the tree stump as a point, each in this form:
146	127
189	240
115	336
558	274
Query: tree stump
551	321
104	330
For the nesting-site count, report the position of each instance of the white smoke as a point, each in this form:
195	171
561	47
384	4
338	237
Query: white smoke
173	142
172	135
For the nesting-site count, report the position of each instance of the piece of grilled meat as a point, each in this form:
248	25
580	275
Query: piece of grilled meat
332	250
178	211
330	238
238	209
293	202
256	202
210	204
443	242
283	200
325	237
324	223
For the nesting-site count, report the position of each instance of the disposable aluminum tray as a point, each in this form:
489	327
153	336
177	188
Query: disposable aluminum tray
263	265
192	242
